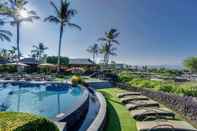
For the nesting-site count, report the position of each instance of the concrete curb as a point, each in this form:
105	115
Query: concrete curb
99	122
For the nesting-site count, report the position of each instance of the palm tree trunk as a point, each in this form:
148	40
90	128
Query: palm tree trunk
105	59
94	57
18	40
60	45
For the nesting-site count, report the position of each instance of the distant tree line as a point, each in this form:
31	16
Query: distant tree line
191	63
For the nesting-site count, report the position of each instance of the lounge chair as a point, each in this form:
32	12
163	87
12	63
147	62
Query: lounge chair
157	112
164	126
128	94
145	103
133	98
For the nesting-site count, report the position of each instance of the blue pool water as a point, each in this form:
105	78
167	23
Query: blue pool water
46	99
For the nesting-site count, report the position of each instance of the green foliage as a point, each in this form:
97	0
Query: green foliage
191	63
38	51
12	121
108	44
188	89
126	76
8	68
54	59
166	72
75	80
167	88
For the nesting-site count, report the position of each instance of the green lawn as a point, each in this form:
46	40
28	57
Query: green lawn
118	117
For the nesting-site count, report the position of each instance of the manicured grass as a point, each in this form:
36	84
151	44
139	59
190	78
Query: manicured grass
12	121
118	117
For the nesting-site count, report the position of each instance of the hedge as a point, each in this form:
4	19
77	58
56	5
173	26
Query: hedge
8	68
12	121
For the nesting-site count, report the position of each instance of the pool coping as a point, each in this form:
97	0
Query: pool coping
32	82
77	111
100	120
77	105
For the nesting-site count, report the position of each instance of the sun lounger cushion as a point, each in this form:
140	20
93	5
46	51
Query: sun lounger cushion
141	113
133	98
128	94
136	104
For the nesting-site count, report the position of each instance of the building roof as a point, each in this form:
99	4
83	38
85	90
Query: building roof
29	61
81	62
3	61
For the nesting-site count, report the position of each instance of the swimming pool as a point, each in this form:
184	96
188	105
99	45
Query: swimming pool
49	100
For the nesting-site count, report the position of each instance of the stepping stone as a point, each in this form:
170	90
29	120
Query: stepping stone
133	98
167	125
157	112
128	94
132	105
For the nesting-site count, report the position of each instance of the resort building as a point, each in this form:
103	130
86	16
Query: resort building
81	62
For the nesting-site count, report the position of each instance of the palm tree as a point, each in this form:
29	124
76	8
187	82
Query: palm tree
12	54
17	11
4	54
38	51
63	16
4	34
108	50
94	50
108	43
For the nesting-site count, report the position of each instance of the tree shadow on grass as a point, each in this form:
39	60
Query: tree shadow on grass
113	122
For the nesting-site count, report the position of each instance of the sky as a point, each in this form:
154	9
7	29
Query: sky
152	32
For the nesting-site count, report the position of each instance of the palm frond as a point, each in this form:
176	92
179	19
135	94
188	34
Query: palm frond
74	26
102	39
115	41
55	7
4	37
71	13
52	19
6	32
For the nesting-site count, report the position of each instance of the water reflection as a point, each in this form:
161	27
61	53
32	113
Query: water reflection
47	100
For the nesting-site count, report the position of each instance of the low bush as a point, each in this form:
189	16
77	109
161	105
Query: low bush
8	68
167	88
75	80
140	81
172	87
12	121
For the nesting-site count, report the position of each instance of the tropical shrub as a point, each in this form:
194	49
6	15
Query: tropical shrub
126	76
191	63
167	88
12	121
8	68
75	80
54	59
